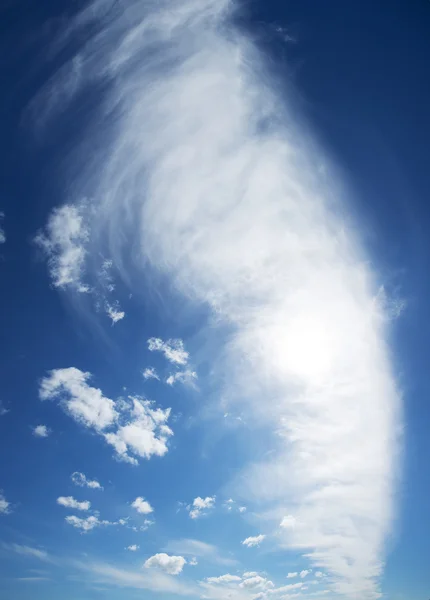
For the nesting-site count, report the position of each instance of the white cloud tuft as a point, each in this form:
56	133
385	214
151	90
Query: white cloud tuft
304	573
41	431
142	506
292	575
70	502
64	244
114	312
4	505
193	562
200	506
2	231
150	373
86	524
133	548
186	377
225	197
139	428
173	350
253	540
288	522
227	578
80	480
30	551
172	565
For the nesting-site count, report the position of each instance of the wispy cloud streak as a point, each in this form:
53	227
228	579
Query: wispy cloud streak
213	176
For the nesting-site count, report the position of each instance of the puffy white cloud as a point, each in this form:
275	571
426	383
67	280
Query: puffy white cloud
84	403
70	502
256	582
200	506
64	243
227	578
81	480
86	524
114	312
248	574
288	522
193	562
172	565
138	427
41	431
142	506
292	575
2	231
253	540
4	505
133	548
173	350
287	276
304	573
242	509
186	377
150	373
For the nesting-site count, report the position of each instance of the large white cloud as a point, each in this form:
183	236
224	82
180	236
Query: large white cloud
132	426
229	197
172	565
142	506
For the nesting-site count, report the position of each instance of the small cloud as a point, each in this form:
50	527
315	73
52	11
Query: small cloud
186	377
227	578
80	480
133	548
142	506
4	505
256	582
41	431
193	562
304	573
114	312
248	574
242	509
86	524
3	410
172	565
173	350
200	506
288	522
319	574
70	502
292	575
29	551
253	540
150	373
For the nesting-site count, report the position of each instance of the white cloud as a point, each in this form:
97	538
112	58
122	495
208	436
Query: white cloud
139	428
64	243
200	506
227	578
70	502
288	522
114	312
133	548
86	524
256	581
193	562
2	231
286	588
304	573
29	551
3	410
248	574
242	509
319	574
253	540
287	276
142	506
81	480
197	548
172	565
186	377
292	575
4	505
41	431
150	373
173	350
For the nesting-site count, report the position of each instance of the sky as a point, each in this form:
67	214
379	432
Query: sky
214	318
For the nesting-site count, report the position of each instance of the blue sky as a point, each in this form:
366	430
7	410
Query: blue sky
214	318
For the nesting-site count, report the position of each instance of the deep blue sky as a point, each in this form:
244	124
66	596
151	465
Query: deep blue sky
361	73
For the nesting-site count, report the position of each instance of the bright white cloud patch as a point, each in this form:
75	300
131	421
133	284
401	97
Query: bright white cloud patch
173	350
41	431
185	377
136	426
133	548
253	540
304	573
81	480
86	524
224	196
114	312
292	575
30	551
4	505
200	506
227	578
70	502
172	565
64	243
142	506
150	373
288	522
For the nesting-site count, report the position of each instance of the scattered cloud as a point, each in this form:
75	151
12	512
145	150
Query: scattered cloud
150	373
292	575
114	312
201	506
30	552
41	431
70	502
172	565
319	574
304	573
138	427
256	582
193	562
173	350
81	480
248	574
186	377
64	244
242	509
142	506
227	578
86	524
2	231
288	522
197	548
3	410
4	505
133	548
253	540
